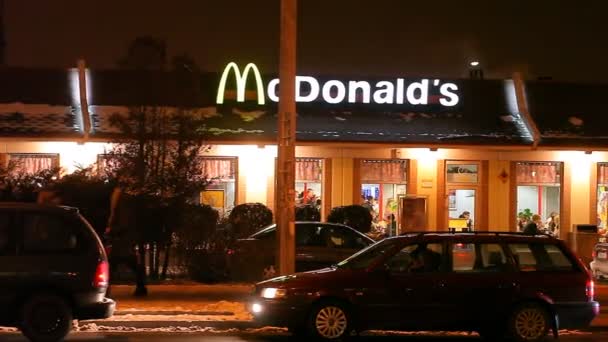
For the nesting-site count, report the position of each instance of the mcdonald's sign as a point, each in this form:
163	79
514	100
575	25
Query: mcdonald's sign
241	82
416	93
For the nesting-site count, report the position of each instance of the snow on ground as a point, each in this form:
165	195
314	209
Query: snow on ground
450	333
92	327
237	309
228	311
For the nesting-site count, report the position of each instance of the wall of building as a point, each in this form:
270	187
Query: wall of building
256	172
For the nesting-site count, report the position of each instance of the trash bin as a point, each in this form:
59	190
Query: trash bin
582	240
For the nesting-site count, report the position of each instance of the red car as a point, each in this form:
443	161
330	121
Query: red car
498	284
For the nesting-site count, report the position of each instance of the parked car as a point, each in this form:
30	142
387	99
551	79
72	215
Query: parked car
53	269
318	245
497	284
599	265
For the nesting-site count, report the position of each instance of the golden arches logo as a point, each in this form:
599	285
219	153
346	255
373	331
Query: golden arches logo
241	82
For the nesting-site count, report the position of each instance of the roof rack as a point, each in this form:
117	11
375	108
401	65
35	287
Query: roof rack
476	232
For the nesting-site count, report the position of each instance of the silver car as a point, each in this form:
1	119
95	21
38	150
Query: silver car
599	265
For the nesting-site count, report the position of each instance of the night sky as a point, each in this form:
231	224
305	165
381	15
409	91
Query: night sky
344	37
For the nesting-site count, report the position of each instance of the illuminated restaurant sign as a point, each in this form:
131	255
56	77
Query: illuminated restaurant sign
310	89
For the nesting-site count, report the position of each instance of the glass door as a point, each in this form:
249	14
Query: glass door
461	208
463	184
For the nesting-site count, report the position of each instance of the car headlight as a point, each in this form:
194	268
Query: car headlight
273	293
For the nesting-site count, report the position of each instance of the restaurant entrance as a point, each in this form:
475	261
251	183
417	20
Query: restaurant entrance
463	194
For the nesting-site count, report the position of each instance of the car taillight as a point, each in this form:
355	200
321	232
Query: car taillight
230	251
590	290
102	275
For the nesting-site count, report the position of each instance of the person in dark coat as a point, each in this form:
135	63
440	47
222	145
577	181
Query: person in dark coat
121	235
532	227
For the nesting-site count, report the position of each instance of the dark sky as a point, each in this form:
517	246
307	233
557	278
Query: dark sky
350	37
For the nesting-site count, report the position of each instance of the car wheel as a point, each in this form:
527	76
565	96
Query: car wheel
529	322
329	320
46	318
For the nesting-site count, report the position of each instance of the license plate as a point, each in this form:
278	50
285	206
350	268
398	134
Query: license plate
601	255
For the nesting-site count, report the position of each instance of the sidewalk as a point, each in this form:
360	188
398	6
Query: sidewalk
221	306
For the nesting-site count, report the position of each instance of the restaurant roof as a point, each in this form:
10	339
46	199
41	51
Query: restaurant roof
46	103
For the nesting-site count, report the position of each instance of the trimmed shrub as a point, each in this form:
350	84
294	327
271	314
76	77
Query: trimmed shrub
308	213
355	216
247	218
200	244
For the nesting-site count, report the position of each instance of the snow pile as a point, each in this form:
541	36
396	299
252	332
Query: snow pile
8	330
92	327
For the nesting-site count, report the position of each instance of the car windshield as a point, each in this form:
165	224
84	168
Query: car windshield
268	230
366	257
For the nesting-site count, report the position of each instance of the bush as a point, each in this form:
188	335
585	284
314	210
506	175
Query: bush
247	218
197	238
308	213
87	192
24	187
196	226
355	216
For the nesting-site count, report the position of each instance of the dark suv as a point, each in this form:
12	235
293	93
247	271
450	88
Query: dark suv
498	284
53	269
318	245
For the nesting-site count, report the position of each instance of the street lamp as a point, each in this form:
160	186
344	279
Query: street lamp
475	71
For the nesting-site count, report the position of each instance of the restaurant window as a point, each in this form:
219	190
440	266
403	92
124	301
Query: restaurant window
30	163
382	183
602	195
538	193
221	191
463	191
309	182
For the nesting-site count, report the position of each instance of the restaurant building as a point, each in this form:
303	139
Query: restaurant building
422	151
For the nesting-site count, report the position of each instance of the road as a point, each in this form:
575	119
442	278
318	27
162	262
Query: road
163	337
279	335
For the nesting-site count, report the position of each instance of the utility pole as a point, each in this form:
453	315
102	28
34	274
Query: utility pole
2	38
286	140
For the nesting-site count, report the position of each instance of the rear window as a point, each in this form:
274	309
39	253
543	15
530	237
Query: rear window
480	257
48	234
540	257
